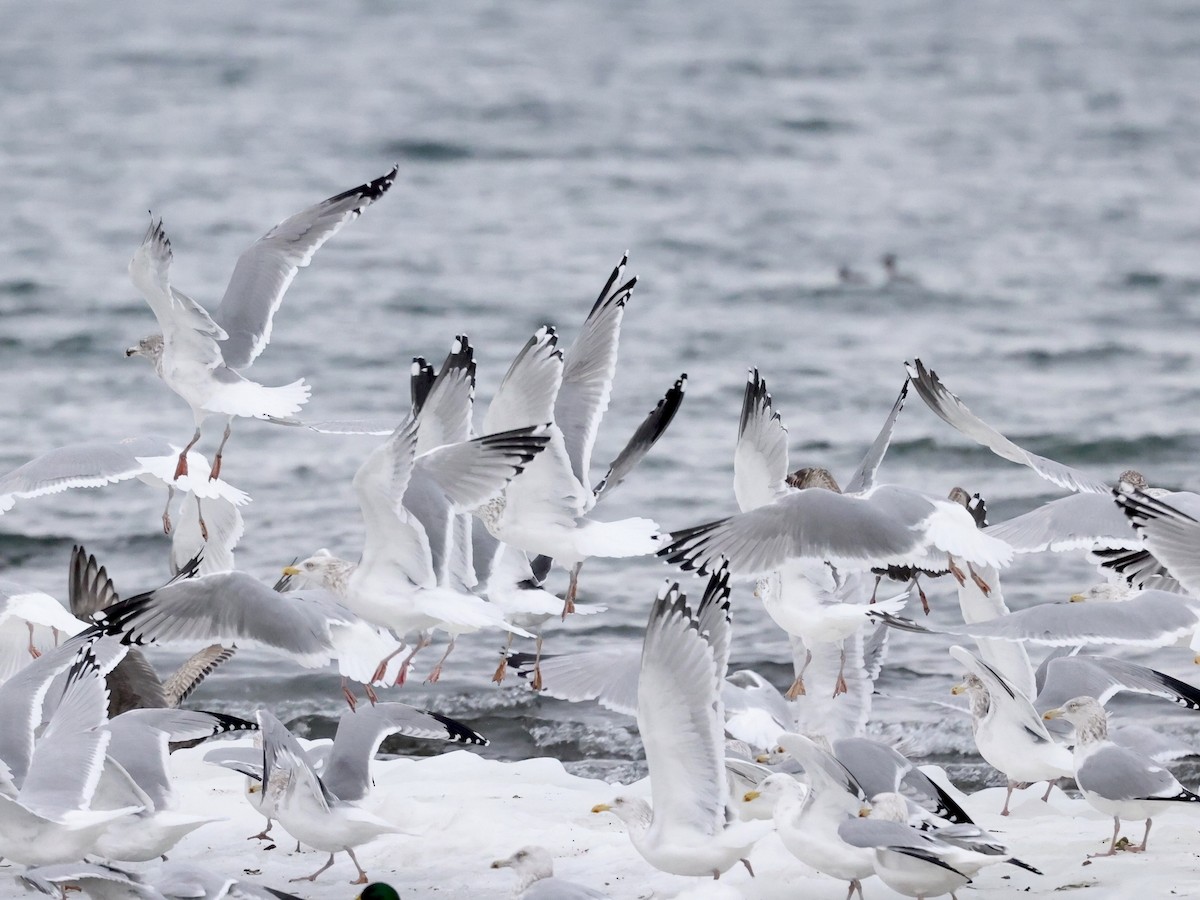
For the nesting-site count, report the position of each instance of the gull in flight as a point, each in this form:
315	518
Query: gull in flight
149	458
545	511
691	828
201	356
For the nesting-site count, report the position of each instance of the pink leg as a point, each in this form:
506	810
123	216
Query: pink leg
1112	847
797	689
349	695
33	651
425	640
840	686
437	670
362	875
181	467
536	684
572	590
216	466
313	876
166	518
502	669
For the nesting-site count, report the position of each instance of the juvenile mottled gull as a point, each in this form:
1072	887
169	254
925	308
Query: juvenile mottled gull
200	356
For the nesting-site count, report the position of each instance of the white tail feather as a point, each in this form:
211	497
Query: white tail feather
625	537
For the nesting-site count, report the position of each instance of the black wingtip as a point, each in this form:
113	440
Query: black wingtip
457	732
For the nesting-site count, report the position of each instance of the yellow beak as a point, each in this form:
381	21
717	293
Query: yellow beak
1078	598
864	812
1196	660
751	795
762	758
601	807
290	570
1051	714
958	689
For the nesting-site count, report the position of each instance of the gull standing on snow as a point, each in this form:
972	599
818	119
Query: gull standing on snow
1115	780
1009	732
545	510
690	829
200	356
307	807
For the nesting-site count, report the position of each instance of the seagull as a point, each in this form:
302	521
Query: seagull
589	366
92	464
1113	779
1009	732
344	765
47	818
133	683
534	868
136	773
200	356
807	822
690	829
808	599
171	882
922	863
307	808
30	621
311	627
394	583
1085	521
546	510
1149	618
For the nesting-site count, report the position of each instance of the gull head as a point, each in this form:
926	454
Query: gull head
889	807
151	347
773	788
322	569
628	809
814	477
530	864
1132	480
1086	714
1105	592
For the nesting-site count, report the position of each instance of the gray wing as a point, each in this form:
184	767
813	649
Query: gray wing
106	881
681	720
85	465
21	698
88	586
866	832
954	412
1150	619
140	741
864	476
760	458
1117	773
264	271
69	755
230	606
527	393
134	684
1103	677
812	523
180	880
1169	533
608	675
1014	703
822	769
282	752
653	427
194	670
1148	742
1076	522
588	369
1137	568
336	426
444	413
246	760
347	771
473	472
